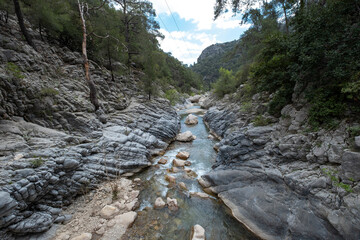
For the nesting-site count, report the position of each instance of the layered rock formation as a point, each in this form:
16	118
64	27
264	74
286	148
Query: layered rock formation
281	181
52	146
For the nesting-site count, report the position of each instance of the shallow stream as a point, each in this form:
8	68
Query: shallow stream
210	213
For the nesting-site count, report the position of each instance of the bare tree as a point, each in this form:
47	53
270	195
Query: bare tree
93	92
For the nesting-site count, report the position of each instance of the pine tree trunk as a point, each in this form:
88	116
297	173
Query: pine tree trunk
93	92
286	19
22	25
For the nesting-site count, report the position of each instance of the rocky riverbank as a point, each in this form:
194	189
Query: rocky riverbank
280	180
53	148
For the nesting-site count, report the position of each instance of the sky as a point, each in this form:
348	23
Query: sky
194	28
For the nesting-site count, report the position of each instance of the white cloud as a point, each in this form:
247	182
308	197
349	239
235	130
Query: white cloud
186	46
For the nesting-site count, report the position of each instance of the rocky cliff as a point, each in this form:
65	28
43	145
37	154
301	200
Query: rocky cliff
52	146
281	180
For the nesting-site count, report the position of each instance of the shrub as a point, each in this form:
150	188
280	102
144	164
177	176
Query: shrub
37	162
260	120
14	70
173	96
48	92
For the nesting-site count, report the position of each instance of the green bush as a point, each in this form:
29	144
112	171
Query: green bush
14	70
260	120
48	92
225	84
173	96
335	180
37	162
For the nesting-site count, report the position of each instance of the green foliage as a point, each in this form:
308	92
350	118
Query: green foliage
172	95
354	131
38	162
225	84
260	120
246	107
14	70
48	92
335	180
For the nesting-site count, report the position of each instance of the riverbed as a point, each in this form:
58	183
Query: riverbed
210	212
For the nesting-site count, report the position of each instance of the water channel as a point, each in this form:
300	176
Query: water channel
210	213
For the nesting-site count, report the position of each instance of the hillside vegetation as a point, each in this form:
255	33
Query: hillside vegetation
121	35
295	51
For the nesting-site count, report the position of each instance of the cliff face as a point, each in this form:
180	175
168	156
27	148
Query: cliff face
280	180
216	56
52	146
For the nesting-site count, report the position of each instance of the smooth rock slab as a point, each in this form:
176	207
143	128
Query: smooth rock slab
7	203
185	137
119	225
191	120
36	223
178	163
351	165
198	233
199	194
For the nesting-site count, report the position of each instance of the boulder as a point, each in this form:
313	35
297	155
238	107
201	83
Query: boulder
178	163
197	233
183	155
170	179
175	170
108	212
182	185
195	99
351	165
159	203
172	204
185	137
162	161
7	203
357	142
191	120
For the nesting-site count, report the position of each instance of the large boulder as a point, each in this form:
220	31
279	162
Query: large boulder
195	99
351	165
183	155
197	233
7	203
357	142
178	163
191	120
185	137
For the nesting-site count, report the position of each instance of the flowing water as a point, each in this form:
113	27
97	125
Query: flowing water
210	213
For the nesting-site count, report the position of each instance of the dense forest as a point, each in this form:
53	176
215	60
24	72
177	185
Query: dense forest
303	49
110	33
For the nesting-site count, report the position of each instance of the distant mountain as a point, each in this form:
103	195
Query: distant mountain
216	56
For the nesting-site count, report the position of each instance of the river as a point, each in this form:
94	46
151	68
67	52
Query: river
210	213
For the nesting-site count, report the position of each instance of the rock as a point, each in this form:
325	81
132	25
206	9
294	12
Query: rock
187	163
137	180
195	99
199	194
172	204
70	164
109	212
175	170
183	186
191	120
119	225
178	163
84	236
159	203
162	161
196	111
357	142
197	233
183	155
170	179
203	182
351	165
185	137
7	203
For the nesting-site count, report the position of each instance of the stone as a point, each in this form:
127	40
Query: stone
7	203
178	163
183	155
109	212
175	170
357	142
351	165
195	99
118	226
84	236
185	137
159	203
172	204
198	233
162	161
191	120
170	179
70	164
199	194
183	186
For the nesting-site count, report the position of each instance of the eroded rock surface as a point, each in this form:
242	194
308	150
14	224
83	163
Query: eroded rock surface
280	181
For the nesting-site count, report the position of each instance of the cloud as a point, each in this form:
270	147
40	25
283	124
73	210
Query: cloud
186	46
